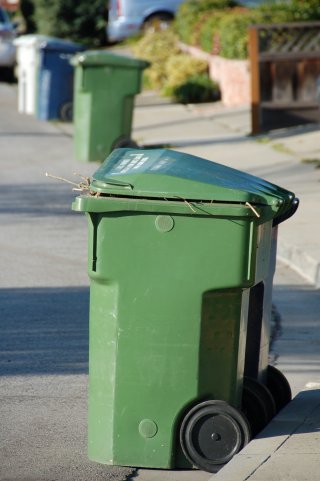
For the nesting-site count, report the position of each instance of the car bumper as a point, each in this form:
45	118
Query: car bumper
7	54
120	28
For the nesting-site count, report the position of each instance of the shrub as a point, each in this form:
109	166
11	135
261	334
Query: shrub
293	11
233	28
190	14
173	72
156	47
275	12
179	68
209	40
80	21
196	89
205	24
27	12
307	10
233	33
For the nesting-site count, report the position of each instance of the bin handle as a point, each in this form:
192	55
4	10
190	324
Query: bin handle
66	56
112	183
289	213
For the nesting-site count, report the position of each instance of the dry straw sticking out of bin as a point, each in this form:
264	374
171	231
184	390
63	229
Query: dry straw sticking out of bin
80	186
85	187
253	209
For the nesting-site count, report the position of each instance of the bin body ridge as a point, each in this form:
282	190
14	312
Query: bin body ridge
163	357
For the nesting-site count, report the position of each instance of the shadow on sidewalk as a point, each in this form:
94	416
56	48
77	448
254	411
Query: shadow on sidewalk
195	143
47	199
300	416
44	331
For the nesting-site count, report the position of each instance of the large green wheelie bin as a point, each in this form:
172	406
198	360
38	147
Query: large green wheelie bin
176	246
104	90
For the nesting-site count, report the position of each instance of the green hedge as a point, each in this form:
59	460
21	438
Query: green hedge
172	72
233	33
196	89
221	27
27	11
191	14
157	48
80	21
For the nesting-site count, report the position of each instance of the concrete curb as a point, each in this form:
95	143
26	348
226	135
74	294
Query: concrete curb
300	261
293	418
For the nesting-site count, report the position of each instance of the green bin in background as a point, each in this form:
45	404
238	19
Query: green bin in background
177	245
105	86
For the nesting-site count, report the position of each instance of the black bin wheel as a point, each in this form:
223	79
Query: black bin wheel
279	387
211	433
66	112
257	404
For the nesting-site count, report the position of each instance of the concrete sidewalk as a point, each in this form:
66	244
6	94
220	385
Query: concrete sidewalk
44	291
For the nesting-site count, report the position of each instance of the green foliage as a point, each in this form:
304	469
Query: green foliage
77	20
191	13
293	11
209	40
179	68
156	47
27	12
173	72
233	33
218	26
197	89
274	12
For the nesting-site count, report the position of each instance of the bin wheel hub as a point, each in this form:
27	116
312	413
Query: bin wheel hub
212	433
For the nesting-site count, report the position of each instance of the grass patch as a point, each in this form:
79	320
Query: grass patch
315	162
263	140
281	148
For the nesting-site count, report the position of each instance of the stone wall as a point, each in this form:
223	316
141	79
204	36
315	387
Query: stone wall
233	76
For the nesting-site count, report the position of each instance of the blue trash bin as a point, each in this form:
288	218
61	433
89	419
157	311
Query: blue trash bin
55	81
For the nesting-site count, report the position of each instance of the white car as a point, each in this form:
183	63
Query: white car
7	36
127	17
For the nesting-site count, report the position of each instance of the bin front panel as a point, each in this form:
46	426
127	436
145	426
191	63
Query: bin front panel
119	82
157	285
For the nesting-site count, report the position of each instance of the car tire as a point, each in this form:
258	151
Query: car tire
156	22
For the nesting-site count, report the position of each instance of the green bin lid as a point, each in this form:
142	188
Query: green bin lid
159	174
167	174
97	58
